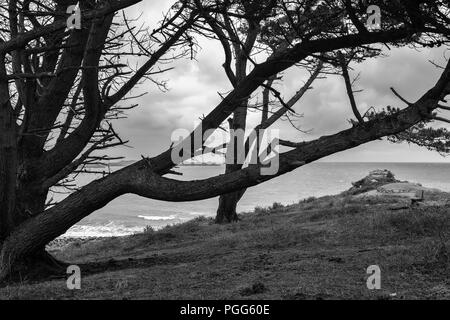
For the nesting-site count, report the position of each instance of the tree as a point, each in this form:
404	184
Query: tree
269	27
60	91
240	38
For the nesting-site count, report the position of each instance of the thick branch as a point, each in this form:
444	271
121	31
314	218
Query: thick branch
279	62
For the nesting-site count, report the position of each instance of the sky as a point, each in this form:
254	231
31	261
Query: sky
194	87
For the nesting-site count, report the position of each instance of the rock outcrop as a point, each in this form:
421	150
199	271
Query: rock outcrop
373	181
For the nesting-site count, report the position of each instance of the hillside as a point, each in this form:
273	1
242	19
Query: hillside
316	249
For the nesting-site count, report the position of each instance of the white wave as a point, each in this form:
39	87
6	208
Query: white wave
158	218
101	231
198	213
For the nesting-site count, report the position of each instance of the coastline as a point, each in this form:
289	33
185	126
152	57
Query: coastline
316	249
378	183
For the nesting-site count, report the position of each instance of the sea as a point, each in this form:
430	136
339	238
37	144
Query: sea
131	214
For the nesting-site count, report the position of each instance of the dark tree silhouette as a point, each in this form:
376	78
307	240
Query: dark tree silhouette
60	91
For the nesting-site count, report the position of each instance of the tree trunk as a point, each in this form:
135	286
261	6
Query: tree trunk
8	158
8	166
19	200
226	212
38	265
16	206
22	253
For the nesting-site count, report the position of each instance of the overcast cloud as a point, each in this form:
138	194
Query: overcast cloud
194	87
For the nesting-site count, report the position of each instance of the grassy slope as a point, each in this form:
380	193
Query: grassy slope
317	249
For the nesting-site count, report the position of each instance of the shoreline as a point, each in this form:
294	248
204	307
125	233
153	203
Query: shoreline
378	183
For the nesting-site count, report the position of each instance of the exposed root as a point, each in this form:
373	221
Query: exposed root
37	267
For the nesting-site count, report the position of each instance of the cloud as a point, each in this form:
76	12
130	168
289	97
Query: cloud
195	84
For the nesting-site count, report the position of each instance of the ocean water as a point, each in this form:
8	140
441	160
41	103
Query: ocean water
130	214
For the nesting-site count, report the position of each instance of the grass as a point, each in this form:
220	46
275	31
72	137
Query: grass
316	249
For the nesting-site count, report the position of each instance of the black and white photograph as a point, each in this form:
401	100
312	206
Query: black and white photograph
229	156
